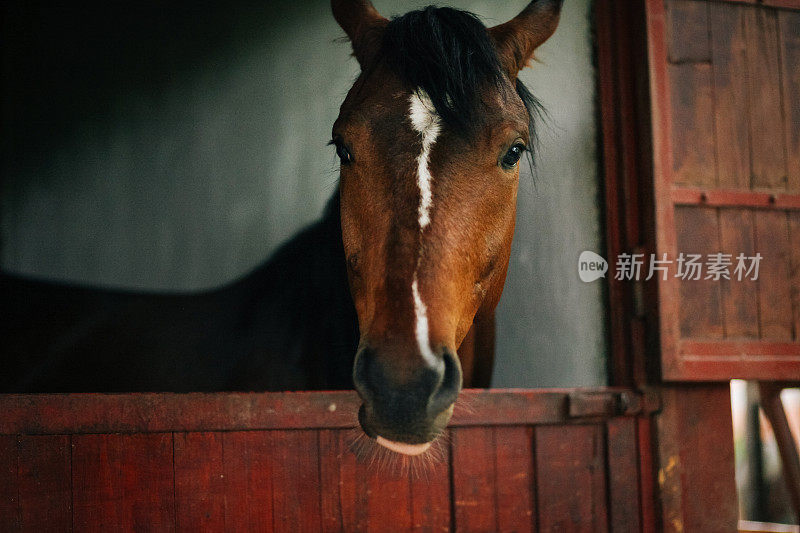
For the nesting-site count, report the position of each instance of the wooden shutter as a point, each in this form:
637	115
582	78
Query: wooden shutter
725	92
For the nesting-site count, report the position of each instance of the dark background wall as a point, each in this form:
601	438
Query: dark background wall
169	147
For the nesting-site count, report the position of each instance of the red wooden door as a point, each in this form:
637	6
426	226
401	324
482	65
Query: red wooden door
725	82
549	460
724	88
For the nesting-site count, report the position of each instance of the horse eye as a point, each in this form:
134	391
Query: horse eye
512	156
341	150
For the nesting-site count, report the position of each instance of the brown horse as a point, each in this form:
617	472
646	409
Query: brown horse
430	137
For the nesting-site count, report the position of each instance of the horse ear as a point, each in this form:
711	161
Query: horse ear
363	25
517	39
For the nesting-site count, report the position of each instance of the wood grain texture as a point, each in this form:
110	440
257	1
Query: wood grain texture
764	94
570	478
199	482
296	503
430	493
775	306
515	479
692	124
9	493
696	473
789	29
123	482
37	414
474	479
248	471
700	310
688	31
623	476
729	63
45	482
794	246
739	297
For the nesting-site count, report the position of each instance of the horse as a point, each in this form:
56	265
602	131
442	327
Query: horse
392	292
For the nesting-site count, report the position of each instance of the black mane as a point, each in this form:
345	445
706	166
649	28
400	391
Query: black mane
449	54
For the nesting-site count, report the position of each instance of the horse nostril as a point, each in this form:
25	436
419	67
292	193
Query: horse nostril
362	368
446	394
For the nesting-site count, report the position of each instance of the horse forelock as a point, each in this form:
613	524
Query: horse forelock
448	55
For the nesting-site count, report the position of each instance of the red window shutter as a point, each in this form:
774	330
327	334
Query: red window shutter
725	96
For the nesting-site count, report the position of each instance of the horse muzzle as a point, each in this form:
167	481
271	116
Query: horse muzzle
406	411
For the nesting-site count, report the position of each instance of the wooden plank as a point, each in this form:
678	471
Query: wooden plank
693	158
774	291
430	491
700	306
248	474
331	456
570	478
474	479
788	24
45	483
734	198
696	473
688	31
9	493
373	490
165	412
515	478
199	482
647	478
296	481
764	94
123	482
729	58
794	259
739	297
623	475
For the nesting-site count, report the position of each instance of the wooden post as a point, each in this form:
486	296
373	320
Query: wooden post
696	474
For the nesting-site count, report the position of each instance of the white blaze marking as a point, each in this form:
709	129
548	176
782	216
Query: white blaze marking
426	122
421	312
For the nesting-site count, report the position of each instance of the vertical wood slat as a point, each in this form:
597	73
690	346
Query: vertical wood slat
123	482
696	473
570	478
788	24
248	480
296	471
729	62
688	31
45	485
700	307
430	494
739	298
692	124
794	246
775	307
474	479
766	115
623	476
9	493
515	478
199	482
376	490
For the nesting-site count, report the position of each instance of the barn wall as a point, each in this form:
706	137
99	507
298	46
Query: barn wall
151	147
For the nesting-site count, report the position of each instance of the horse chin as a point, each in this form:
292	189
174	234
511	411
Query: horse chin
403	447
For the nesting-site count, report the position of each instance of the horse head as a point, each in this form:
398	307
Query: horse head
430	137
